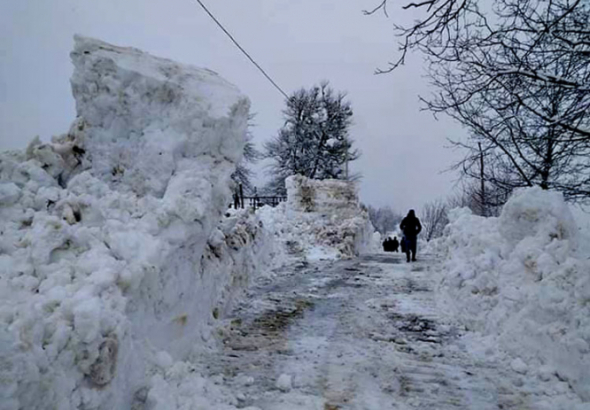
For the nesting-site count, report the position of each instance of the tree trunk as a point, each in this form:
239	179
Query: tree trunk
482	192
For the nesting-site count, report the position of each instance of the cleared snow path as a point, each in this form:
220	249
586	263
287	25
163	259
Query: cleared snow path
357	334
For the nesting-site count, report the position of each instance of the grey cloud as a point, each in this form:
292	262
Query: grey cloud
298	42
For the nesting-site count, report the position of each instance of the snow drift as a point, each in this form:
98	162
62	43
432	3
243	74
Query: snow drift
321	219
112	264
523	280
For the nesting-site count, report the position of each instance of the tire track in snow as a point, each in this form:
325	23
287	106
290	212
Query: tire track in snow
357	334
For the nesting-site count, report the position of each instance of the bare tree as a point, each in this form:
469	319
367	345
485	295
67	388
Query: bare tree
315	140
469	196
517	76
384	219
434	219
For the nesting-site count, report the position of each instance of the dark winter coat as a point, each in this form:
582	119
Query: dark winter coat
411	226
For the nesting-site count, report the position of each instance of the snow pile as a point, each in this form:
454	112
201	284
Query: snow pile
180	386
110	253
310	195
242	248
321	219
523	280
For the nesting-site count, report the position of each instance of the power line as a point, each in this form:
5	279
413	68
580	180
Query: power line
242	49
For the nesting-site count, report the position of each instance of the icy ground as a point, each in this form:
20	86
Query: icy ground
364	334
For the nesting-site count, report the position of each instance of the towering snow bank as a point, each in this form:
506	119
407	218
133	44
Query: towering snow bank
238	250
524	280
321	219
104	232
146	119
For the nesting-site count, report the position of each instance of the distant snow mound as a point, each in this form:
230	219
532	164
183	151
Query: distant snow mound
321	219
330	195
537	213
523	280
110	250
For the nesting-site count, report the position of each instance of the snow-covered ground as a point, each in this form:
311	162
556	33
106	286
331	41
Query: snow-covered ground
498	319
365	333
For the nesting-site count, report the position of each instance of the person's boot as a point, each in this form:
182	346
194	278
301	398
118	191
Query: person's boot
408	257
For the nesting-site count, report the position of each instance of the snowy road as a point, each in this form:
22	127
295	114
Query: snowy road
358	334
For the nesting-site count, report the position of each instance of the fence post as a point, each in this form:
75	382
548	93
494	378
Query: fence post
242	196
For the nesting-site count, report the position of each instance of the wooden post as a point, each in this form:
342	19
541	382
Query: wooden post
242	196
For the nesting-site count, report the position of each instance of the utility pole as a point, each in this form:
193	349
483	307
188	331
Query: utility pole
242	196
482	192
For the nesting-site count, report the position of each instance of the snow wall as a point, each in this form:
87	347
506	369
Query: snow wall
523	280
321	219
113	261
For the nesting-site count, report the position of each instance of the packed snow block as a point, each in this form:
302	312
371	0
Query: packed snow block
312	195
321	219
146	118
522	280
104	231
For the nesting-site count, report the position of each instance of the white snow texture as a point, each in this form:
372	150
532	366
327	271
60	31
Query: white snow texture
522	279
117	252
320	220
109	246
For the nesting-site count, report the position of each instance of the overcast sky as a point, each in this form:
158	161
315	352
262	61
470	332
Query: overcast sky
299	43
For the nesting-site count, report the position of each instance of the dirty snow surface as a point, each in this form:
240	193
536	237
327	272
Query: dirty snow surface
364	334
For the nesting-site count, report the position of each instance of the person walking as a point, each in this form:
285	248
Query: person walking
411	227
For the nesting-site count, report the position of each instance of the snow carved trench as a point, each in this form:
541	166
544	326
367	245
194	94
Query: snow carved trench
365	334
115	273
